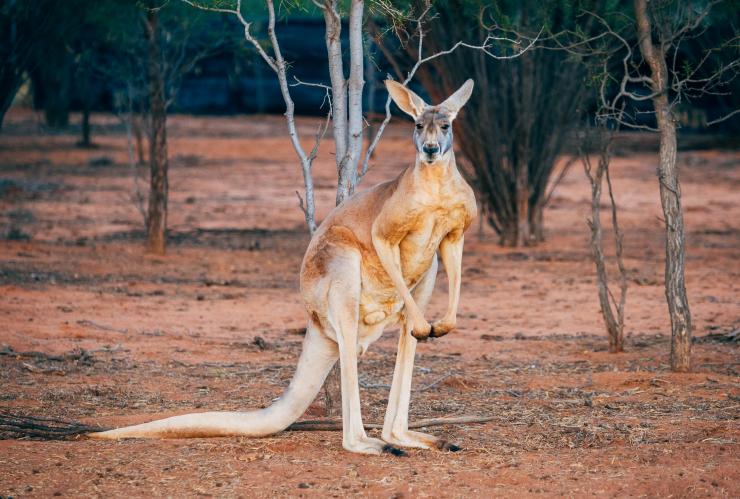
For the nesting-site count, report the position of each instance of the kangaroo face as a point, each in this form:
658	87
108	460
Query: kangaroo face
433	134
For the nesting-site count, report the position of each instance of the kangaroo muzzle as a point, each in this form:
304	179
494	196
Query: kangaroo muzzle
430	149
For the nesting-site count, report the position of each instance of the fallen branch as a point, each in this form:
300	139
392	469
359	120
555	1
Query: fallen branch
333	425
43	428
77	354
433	383
102	327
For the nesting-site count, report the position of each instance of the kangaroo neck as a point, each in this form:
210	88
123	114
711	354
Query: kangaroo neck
438	172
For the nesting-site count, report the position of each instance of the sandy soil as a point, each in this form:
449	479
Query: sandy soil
123	337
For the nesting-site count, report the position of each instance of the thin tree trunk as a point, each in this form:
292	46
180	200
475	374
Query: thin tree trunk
9	85
371	90
508	231
83	75
522	204
670	196
537	221
525	122
339	95
156	222
355	85
85	142
614	325
57	80
137	126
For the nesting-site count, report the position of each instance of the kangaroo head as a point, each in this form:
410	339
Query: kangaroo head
433	132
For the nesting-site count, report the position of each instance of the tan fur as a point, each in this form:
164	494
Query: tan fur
371	263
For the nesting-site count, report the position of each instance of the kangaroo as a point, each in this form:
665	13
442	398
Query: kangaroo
371	264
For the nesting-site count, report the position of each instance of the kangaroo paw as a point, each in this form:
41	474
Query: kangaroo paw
389	449
448	446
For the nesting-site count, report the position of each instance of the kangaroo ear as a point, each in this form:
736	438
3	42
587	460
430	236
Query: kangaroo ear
456	101
408	101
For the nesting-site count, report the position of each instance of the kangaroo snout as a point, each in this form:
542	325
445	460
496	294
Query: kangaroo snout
430	148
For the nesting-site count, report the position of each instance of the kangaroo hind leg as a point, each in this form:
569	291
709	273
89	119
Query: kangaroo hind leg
396	425
343	310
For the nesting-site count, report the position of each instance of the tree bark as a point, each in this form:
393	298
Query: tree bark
355	85
156	220
55	77
9	85
85	140
537	221
614	325
339	95
83	76
523	144
372	88
137	124
670	196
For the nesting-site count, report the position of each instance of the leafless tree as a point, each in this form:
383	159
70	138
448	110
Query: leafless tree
612	308
279	66
649	69
169	50
156	218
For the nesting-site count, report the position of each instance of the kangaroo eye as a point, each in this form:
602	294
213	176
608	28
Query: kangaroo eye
419	126
445	127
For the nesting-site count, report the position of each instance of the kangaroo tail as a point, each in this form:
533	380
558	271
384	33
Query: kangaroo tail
317	358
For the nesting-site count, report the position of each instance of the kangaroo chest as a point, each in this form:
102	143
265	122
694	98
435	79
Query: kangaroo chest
425	228
430	225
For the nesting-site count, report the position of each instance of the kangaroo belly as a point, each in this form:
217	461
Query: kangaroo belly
380	302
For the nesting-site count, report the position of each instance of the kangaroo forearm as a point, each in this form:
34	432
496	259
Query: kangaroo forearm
389	258
451	252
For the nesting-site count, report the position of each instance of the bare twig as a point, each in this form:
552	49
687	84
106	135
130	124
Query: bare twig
723	118
433	383
102	327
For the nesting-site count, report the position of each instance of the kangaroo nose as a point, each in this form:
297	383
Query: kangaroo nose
430	148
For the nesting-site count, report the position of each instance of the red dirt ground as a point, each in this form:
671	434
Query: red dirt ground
167	335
